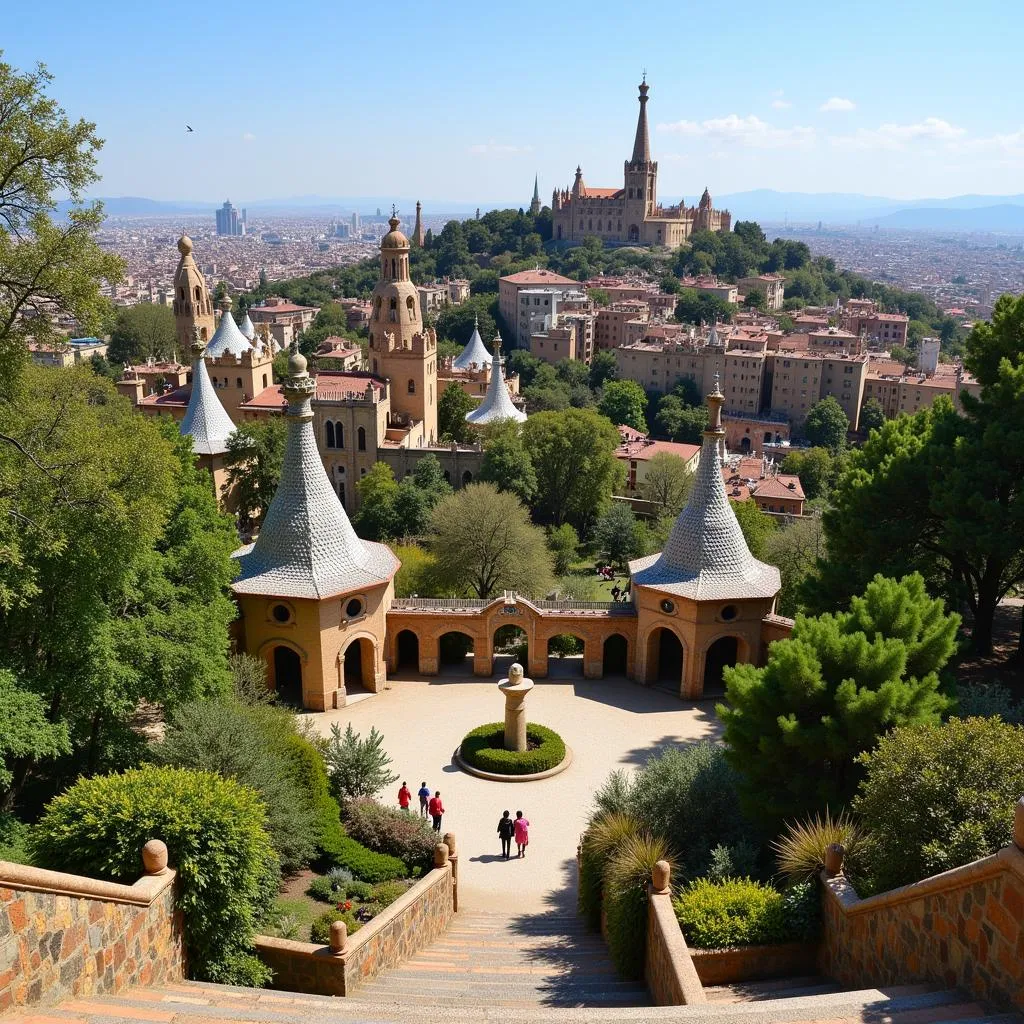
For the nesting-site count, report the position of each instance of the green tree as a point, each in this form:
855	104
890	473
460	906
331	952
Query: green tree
456	323
667	483
794	728
563	543
872	415
142	331
615	533
599	296
483	543
826	425
573	454
357	767
603	368
26	733
43	264
696	307
254	458
506	462
376	517
113	585
452	407
815	468
416	573
755	299
757	526
795	549
624	402
679	422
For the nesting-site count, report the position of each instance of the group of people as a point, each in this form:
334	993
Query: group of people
430	806
509	828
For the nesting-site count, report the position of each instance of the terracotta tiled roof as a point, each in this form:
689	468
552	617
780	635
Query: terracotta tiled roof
538	277
778	487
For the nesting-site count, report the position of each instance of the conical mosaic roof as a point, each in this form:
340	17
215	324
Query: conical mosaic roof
474	352
706	557
307	547
497	404
247	328
227	339
206	420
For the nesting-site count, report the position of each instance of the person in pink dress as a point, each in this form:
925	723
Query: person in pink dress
522	828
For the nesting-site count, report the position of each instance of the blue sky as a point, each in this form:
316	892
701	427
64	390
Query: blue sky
466	101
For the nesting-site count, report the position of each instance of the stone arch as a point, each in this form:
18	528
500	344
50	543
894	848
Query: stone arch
361	439
514	638
724	650
407	650
666	657
290	665
357	663
566	652
467	478
455	647
745	445
615	655
634	233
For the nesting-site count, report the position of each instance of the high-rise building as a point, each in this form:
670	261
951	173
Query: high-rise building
228	221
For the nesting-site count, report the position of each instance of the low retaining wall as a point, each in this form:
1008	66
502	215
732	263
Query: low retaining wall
963	928
63	936
395	934
754	963
668	967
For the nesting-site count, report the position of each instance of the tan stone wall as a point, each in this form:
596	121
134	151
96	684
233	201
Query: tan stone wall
668	967
963	928
393	936
56	943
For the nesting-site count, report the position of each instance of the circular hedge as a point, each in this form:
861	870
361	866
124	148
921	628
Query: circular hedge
483	748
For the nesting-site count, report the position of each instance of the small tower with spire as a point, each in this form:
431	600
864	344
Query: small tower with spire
535	201
419	236
192	305
640	173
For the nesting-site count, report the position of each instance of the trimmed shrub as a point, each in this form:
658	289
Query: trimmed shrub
245	743
14	839
625	899
985	700
733	912
340	876
357	767
359	890
689	796
483	748
320	929
216	834
736	861
389	830
307	768
934	797
325	890
590	880
367	865
387	892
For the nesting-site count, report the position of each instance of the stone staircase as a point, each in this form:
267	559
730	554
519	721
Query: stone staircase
531	969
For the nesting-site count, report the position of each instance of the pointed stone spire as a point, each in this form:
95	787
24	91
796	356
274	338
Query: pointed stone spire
642	142
475	351
307	547
227	339
706	556
578	188
205	422
497	405
247	328
419	236
535	202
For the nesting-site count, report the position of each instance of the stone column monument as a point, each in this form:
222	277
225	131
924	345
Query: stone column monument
515	688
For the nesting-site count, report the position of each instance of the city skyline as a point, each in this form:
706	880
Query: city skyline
816	102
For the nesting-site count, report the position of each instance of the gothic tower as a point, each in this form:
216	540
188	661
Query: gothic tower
535	202
192	305
641	176
400	348
418	234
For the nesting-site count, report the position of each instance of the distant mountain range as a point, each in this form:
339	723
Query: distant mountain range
1001	214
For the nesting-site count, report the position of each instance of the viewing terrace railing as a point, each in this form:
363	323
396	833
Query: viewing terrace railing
456	604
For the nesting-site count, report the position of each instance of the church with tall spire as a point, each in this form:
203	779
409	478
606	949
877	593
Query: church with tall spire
631	215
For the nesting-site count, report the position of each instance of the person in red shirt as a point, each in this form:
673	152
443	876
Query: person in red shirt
405	797
436	809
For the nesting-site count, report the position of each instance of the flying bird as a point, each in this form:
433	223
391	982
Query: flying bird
189	127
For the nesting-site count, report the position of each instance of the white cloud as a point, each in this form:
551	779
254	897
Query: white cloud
781	104
838	103
893	136
498	147
749	131
248	137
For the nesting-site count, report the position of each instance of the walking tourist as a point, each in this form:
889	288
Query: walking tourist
436	809
405	797
522	832
506	829
424	795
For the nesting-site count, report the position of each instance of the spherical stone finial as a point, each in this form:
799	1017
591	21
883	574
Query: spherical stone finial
339	937
440	855
225	302
154	857
449	840
661	876
515	674
834	854
296	364
184	245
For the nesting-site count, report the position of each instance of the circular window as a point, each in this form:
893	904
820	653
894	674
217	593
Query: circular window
281	613
354	608
729	612
668	607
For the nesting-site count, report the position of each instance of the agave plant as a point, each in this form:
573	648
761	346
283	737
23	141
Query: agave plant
800	850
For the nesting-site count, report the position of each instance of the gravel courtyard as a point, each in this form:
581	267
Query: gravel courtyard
608	724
